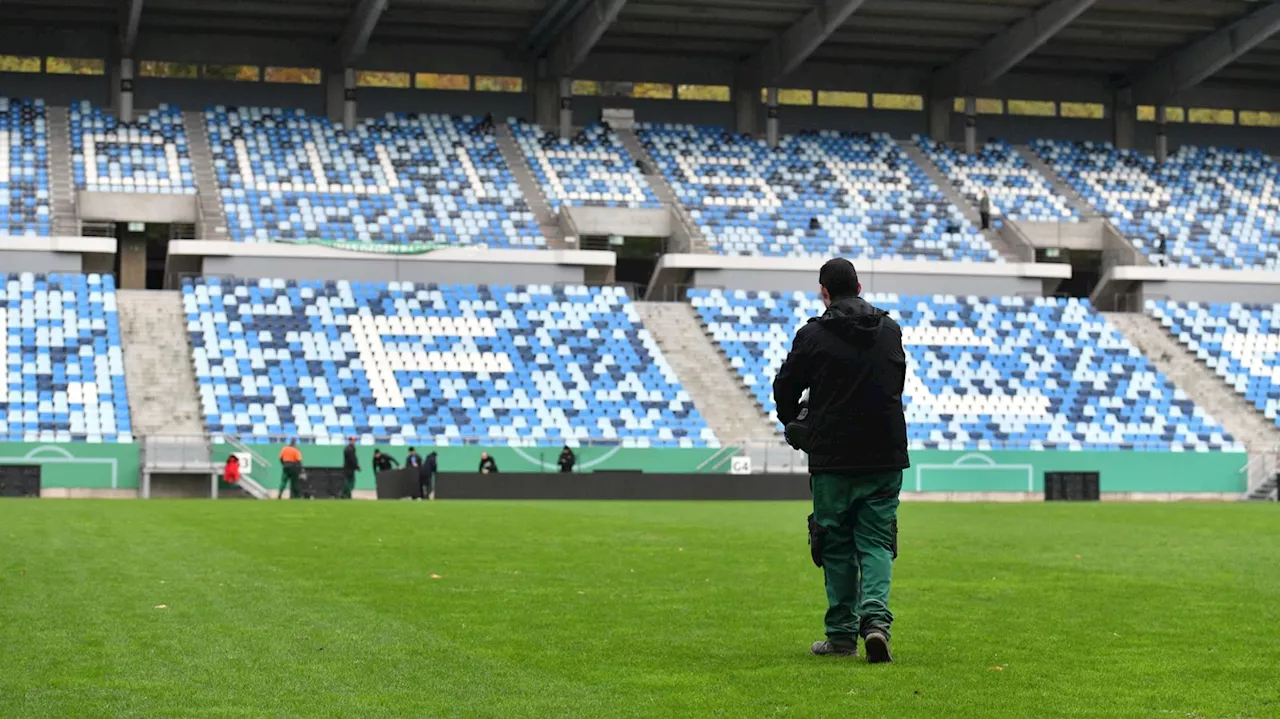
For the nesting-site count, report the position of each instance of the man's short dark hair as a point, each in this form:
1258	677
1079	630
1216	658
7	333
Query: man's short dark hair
840	278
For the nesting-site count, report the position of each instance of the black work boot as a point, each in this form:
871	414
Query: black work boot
828	648
877	643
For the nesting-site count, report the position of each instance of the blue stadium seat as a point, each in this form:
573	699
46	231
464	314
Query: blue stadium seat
868	197
24	169
1015	189
148	155
61	365
1239	342
1000	373
286	175
1216	207
593	168
426	364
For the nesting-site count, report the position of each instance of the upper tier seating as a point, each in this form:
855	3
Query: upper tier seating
425	364
593	168
286	175
147	155
1016	190
1241	343
61	366
1217	208
24	168
869	199
989	373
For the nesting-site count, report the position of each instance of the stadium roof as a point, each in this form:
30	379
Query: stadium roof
957	46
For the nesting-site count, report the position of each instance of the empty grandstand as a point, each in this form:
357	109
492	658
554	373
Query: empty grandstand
459	208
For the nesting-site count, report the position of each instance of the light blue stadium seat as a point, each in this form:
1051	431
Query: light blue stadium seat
868	197
24	169
149	155
286	175
1215	207
593	168
1015	189
1240	342
1012	372
437	365
61	365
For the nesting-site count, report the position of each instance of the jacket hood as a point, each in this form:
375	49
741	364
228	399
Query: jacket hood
854	320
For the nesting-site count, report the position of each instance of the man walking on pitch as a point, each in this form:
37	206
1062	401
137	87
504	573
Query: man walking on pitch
291	461
350	465
852	363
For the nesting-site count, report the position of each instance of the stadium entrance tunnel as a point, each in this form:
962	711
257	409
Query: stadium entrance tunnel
637	259
1086	269
142	252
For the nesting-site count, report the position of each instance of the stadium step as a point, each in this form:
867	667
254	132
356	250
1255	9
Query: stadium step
705	373
948	190
1266	491
159	374
62	191
1260	436
1061	186
529	186
661	189
212	223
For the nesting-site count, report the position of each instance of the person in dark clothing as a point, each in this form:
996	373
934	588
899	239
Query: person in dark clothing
1162	248
350	465
383	462
427	478
814	225
487	465
567	459
984	210
853	365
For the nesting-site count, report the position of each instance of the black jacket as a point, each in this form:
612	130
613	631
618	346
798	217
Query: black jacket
384	462
567	460
487	464
852	362
349	460
431	464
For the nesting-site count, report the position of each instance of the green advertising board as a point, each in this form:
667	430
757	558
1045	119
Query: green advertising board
116	466
509	459
77	465
1023	471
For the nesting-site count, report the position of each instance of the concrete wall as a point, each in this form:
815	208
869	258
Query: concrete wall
1247	292
807	281
385	269
22	261
602	221
137	207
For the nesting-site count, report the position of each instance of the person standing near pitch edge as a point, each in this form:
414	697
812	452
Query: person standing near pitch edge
852	363
350	465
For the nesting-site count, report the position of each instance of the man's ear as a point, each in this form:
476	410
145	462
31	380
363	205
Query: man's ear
859	288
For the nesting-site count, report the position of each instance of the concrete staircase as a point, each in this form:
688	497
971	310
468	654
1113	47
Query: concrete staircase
529	186
65	216
662	190
705	373
212	219
950	192
159	373
1061	186
1260	436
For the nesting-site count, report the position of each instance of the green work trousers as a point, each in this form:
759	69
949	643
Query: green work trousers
289	478
860	517
348	482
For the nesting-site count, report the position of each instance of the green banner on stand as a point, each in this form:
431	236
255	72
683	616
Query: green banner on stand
372	248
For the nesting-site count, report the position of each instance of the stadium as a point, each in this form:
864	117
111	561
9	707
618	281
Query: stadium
514	226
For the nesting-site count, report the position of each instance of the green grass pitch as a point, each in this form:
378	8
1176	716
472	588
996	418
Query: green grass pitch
567	609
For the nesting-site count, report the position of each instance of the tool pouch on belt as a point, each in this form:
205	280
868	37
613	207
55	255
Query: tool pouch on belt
816	534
